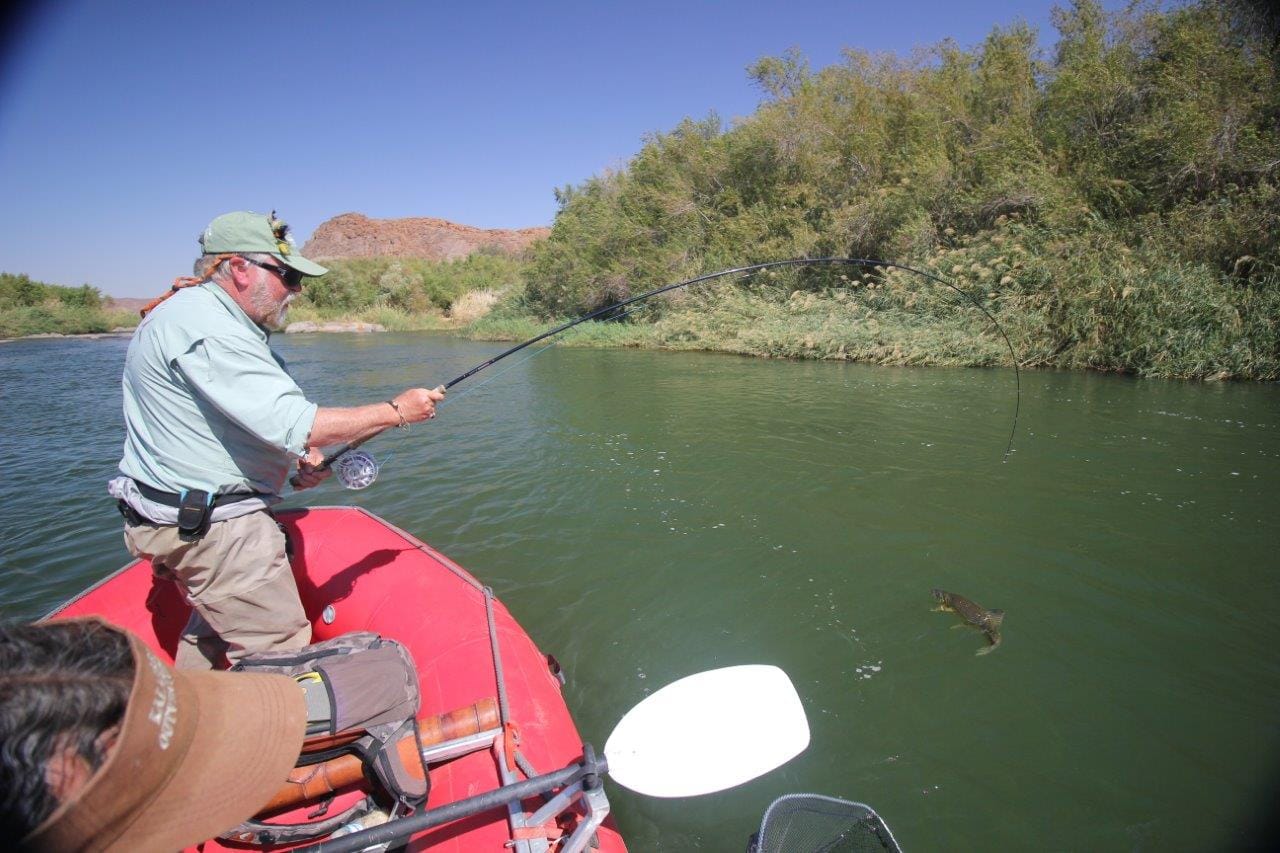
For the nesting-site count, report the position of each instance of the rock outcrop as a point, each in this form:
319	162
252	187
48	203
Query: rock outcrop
354	235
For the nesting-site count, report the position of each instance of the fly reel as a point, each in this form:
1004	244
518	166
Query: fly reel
356	469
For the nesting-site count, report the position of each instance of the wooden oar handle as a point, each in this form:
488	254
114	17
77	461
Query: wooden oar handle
460	723
318	780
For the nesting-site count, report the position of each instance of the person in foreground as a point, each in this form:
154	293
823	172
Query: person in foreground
105	747
215	425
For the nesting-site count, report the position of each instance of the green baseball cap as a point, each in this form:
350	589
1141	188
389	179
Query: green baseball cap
245	231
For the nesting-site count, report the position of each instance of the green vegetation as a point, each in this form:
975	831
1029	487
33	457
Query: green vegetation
392	319
413	287
1116	205
31	307
409	294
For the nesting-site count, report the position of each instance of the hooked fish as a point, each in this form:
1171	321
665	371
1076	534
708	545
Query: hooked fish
986	621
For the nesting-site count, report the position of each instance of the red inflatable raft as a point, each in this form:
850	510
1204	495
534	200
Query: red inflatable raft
356	572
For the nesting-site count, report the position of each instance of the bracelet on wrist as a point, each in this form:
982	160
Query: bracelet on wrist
399	414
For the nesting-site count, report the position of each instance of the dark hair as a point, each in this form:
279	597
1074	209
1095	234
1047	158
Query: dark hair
61	685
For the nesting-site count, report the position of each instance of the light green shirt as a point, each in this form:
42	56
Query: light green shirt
207	404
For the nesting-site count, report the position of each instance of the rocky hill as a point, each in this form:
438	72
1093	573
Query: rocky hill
354	235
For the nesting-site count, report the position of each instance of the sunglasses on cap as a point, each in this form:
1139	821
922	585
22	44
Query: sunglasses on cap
290	276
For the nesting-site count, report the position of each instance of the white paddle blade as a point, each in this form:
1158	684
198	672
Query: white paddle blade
708	732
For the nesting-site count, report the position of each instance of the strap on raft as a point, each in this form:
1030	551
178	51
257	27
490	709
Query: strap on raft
307	784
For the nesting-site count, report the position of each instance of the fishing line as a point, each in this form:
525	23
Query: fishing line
744	271
504	371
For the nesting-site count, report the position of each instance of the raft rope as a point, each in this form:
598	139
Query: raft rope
504	710
182	281
745	270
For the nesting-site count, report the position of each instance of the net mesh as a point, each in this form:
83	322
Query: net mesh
812	823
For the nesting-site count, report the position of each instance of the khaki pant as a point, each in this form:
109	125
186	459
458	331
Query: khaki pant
237	579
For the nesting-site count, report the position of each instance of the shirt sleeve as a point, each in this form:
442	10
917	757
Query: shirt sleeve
244	382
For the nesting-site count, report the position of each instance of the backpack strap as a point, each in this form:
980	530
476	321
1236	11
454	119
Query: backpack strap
260	833
407	782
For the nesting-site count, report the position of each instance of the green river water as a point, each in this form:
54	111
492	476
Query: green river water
646	515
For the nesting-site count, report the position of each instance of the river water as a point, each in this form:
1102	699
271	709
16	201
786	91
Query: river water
647	515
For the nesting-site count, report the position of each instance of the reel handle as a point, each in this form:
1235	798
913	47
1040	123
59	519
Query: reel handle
355	469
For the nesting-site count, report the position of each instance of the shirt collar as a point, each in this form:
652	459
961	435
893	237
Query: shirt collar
233	309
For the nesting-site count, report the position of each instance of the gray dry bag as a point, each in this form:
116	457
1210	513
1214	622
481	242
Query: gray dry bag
358	683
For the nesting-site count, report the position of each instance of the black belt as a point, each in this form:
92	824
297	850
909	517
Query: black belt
174	499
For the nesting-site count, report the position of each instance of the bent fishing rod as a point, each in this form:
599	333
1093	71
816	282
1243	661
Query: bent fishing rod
333	457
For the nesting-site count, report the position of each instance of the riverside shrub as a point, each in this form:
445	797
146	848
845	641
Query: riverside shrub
408	285
1114	201
29	307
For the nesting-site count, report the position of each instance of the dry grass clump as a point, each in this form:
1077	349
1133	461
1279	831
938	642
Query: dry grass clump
473	305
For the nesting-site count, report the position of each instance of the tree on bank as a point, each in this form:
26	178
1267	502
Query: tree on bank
1116	202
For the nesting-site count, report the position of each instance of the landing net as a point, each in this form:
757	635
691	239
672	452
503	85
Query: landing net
812	823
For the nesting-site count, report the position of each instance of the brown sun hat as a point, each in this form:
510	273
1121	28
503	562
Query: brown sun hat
198	752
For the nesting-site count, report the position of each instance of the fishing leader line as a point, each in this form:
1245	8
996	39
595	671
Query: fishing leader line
365	471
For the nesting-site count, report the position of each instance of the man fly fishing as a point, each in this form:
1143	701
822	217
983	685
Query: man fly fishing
214	425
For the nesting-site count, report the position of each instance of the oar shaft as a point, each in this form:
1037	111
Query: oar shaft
401	830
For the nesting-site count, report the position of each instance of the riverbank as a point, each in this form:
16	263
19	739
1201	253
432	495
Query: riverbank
1111	309
853	325
384	317
87	336
58	320
303	320
870	322
30	308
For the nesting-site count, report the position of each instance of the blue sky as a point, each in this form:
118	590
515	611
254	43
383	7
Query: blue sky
126	126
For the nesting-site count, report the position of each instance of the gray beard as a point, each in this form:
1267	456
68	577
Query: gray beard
282	314
270	314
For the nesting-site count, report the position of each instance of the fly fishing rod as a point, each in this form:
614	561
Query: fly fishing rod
358	470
